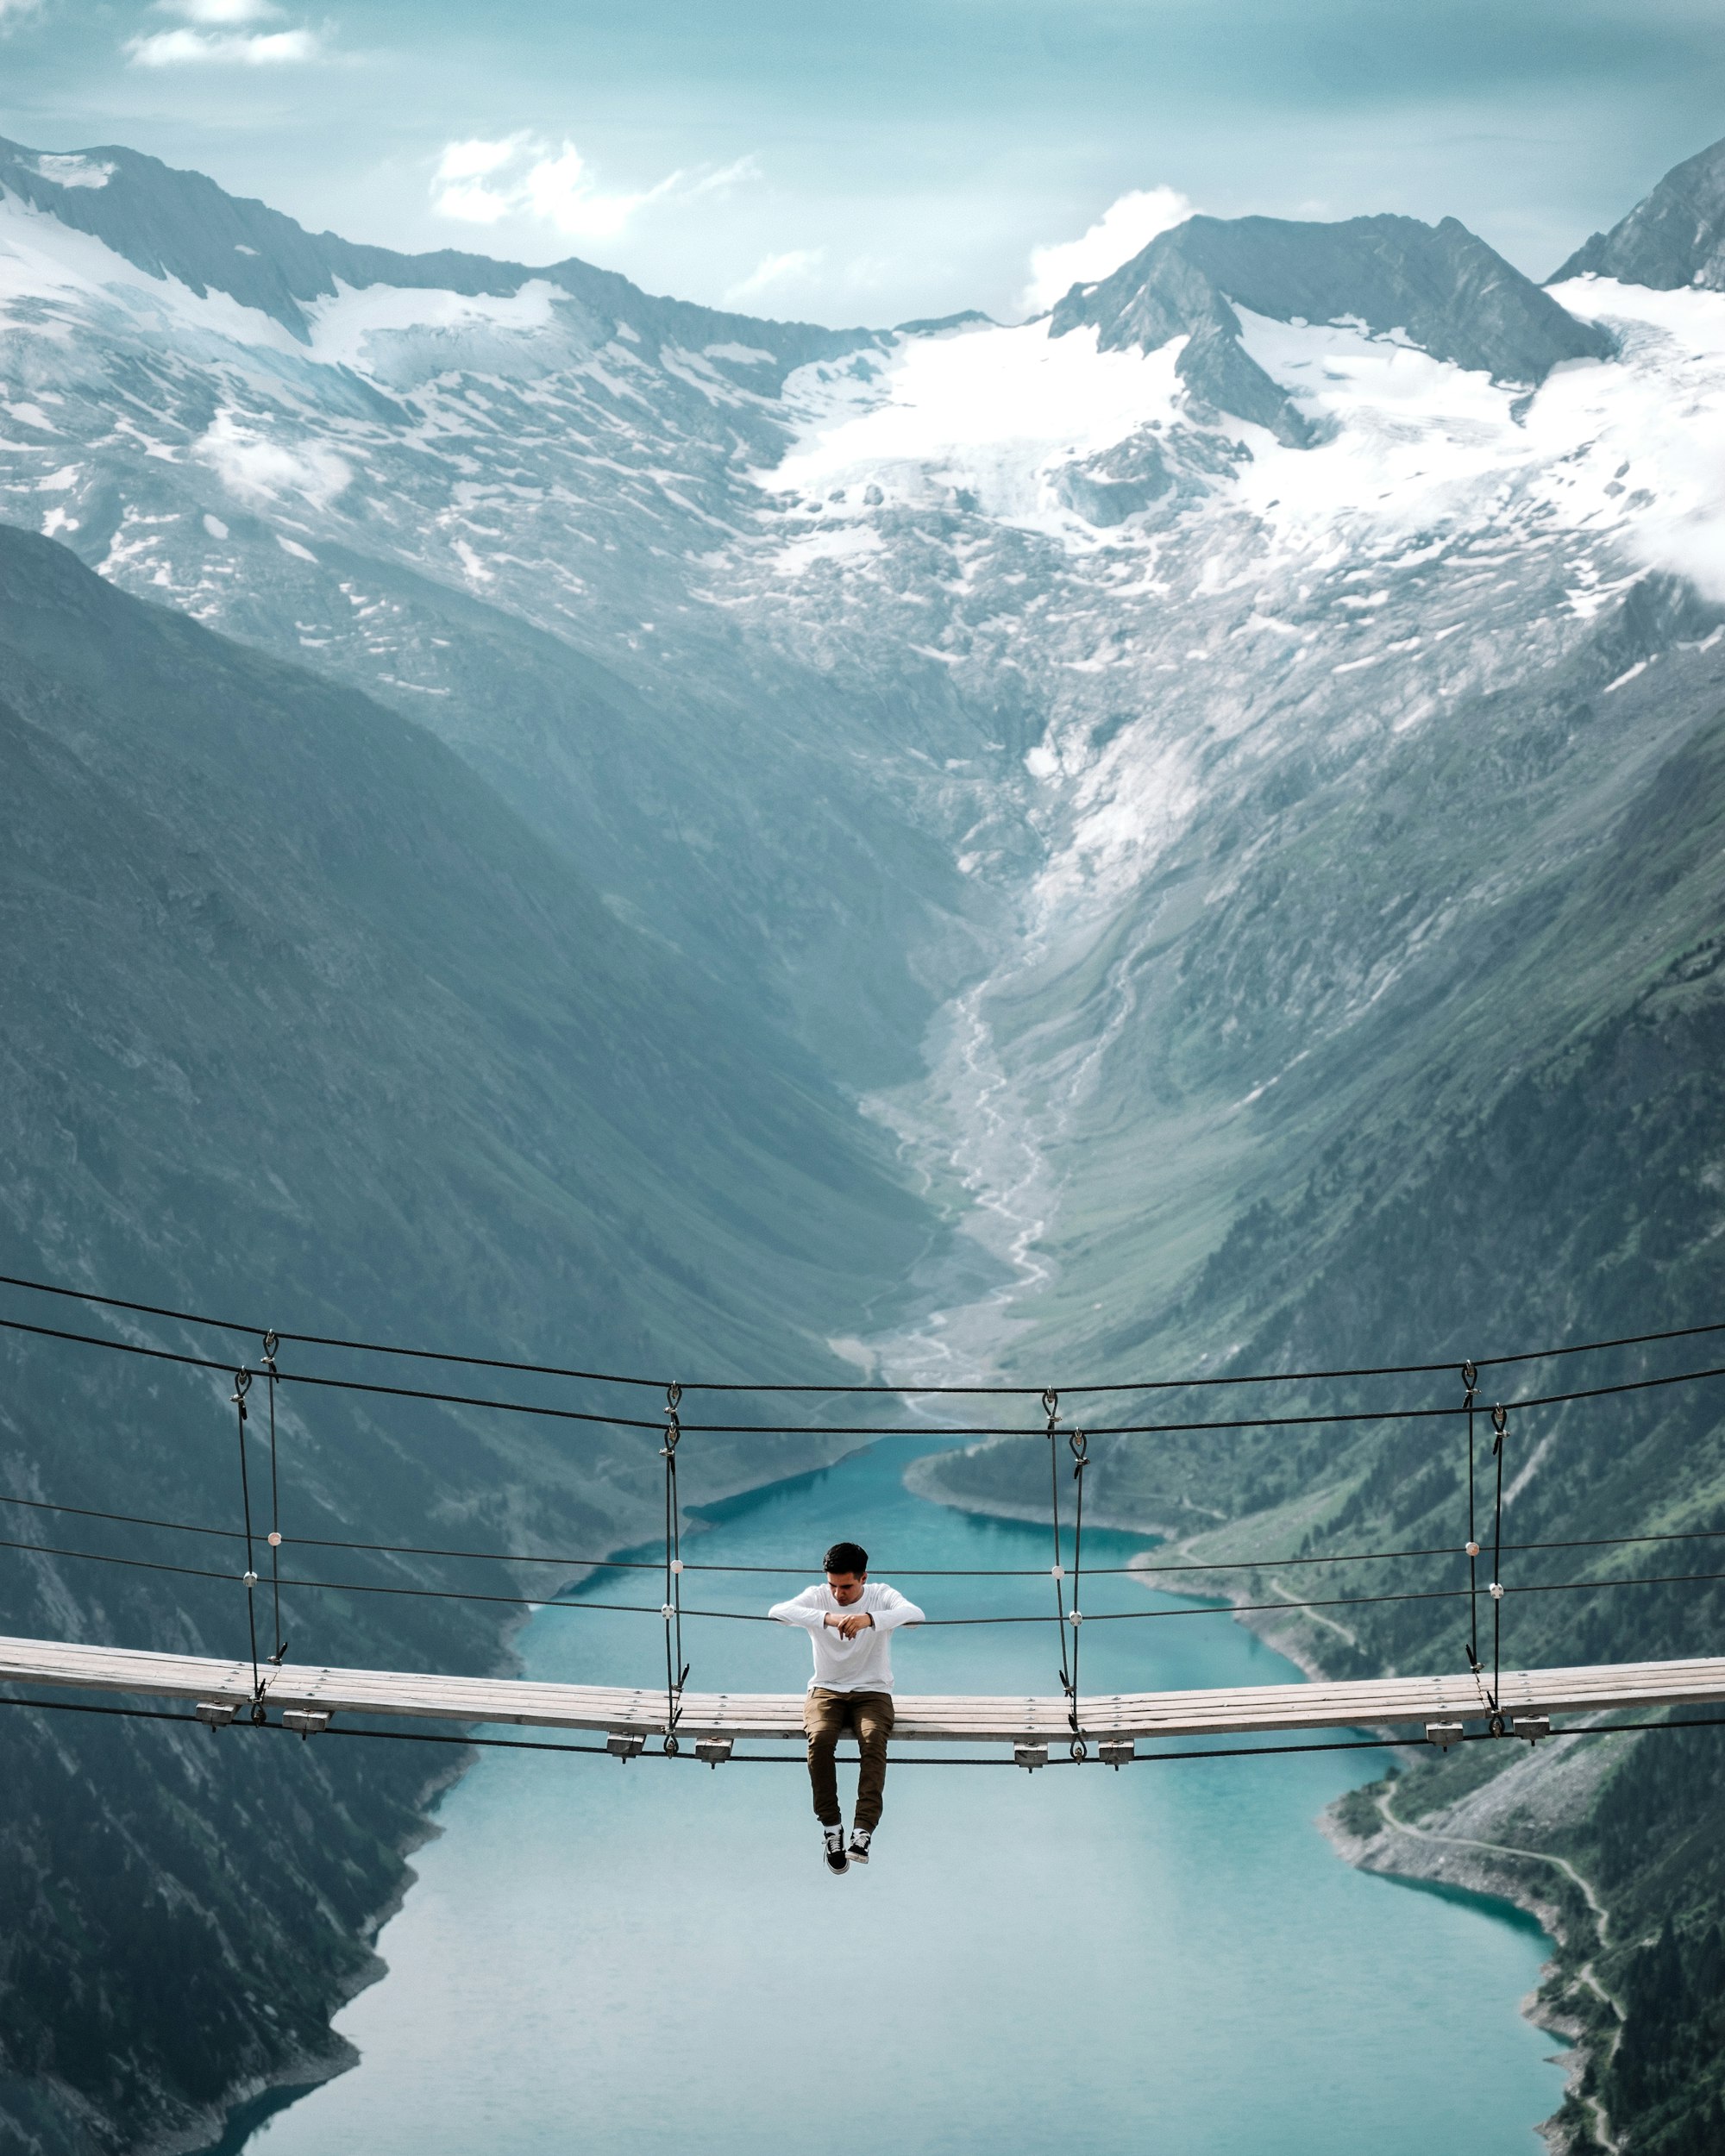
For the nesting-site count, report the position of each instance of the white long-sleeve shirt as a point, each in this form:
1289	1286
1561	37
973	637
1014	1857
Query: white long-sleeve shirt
862	1664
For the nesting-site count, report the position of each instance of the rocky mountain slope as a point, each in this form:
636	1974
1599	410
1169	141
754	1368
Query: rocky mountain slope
1224	776
1671	240
301	1017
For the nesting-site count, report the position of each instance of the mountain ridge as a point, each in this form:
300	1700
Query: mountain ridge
1673	238
173	223
1151	831
1440	285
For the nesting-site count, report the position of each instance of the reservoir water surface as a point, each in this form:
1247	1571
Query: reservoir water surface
1170	1958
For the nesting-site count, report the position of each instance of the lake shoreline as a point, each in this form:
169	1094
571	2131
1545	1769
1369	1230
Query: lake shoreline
1396	1851
228	2123
542	1959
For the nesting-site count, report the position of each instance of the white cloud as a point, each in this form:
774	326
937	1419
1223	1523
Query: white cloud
721	181
1124	227
481	181
474	158
11	9
193	49
775	270
219	13
257	469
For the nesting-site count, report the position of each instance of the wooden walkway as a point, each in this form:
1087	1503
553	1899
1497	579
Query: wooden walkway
1371	1702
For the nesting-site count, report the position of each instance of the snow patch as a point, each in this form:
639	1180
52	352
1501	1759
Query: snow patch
41	259
356	328
833	543
72	170
990	413
1631	448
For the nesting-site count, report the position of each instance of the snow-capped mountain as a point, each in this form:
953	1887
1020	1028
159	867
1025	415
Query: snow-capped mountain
925	661
1228	771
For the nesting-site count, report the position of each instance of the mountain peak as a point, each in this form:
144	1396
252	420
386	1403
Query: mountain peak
168	223
1675	236
1442	285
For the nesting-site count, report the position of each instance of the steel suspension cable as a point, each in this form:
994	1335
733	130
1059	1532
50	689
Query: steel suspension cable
242	1385
1500	1424
1470	1378
911	1390
580	1602
1333	1418
676	1670
1078	1446
1051	1404
278	1651
794	1759
952	1572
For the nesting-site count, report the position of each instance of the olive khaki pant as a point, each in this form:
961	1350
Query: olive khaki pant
825	1716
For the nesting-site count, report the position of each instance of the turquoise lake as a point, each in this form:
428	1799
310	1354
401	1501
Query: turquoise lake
650	1957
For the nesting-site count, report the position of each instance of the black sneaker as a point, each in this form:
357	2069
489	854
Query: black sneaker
832	1852
859	1845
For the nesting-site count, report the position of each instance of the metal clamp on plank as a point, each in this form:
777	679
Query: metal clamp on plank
309	1721
1531	1727
1444	1734
713	1750
1030	1754
216	1714
625	1744
1114	1751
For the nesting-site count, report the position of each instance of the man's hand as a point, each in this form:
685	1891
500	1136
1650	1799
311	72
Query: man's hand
847	1627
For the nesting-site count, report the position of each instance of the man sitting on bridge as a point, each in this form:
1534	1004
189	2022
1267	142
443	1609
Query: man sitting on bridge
849	1620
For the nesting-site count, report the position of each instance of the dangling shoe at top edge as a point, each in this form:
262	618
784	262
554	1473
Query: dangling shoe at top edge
860	1836
832	1852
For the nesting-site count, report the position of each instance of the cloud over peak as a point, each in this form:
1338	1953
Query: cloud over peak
483	180
773	272
1125	228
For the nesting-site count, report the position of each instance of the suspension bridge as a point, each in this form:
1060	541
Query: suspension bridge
261	1689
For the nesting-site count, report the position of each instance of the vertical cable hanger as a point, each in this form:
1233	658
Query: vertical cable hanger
1470	1378
1051	1408
1500	1426
676	1670
1079	1446
242	1385
271	1344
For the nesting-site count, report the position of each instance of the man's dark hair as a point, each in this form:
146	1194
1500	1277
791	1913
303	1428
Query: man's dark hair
845	1557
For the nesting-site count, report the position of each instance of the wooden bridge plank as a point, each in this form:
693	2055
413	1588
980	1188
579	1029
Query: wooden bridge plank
431	1696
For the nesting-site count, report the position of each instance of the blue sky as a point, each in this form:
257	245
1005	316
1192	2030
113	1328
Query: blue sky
872	162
